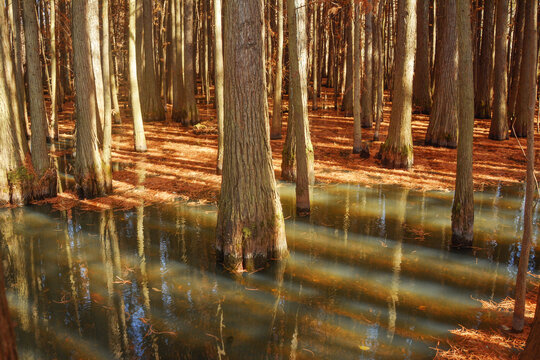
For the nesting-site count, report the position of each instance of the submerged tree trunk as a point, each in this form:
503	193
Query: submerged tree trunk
463	206
138	127
397	150
278	90
525	112
296	13
218	74
442	129
482	99
89	175
422	70
250	225
499	123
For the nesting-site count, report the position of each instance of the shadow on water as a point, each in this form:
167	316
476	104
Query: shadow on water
370	275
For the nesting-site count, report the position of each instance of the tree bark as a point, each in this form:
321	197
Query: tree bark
348	97
397	150
525	113
218	74
277	115
442	129
53	125
89	176
138	127
357	78
422	70
367	87
250	225
499	124
107	101
515	66
189	113
482	99
463	206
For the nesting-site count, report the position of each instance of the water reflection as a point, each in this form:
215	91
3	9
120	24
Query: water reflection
370	275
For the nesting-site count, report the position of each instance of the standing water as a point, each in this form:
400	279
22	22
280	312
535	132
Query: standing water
370	276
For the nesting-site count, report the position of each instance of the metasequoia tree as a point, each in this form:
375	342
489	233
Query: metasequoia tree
89	172
250	225
347	104
442	128
138	127
357	78
367	87
296	14
277	116
44	175
218	71
422	68
482	99
107	97
397	150
53	125
189	114
525	112
499	123
463	205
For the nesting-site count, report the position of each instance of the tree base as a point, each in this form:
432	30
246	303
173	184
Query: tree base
445	142
394	158
363	150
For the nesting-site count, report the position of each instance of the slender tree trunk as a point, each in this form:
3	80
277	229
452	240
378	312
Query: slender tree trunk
422	70
397	151
515	65
89	175
442	129
107	103
378	79
288	155
296	13
278	90
463	206
525	113
95	47
151	105
250	226
357	78
315	72
218	64
499	124
53	125
485	64
138	127
347	104
367	87
189	112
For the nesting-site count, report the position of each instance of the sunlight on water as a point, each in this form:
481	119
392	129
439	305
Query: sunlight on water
370	275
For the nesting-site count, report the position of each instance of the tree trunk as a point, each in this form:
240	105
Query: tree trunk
95	47
189	113
45	183
442	129
397	150
138	127
367	87
515	66
107	103
463	206
422	70
482	99
499	123
89	175
53	125
151	105
288	155
218	64
525	113
316	65
296	13
532	348
347	104
250	225
278	90
357	78
378	80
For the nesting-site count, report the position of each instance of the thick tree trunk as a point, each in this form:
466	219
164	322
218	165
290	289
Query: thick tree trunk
250	226
189	113
463	206
499	123
422	70
442	129
397	150
482	99
296	13
89	175
45	182
151	105
277	116
367	87
525	113
138	127
218	74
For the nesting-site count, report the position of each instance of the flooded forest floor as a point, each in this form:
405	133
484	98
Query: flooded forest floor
180	165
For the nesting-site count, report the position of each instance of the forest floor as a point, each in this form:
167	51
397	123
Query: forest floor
181	161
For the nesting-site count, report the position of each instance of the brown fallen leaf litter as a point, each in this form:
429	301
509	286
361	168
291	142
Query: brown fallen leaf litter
180	162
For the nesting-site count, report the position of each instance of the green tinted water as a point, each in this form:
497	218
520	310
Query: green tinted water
370	276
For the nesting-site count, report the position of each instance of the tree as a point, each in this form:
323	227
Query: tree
45	184
250	225
357	79
138	127
189	113
463	206
442	128
525	112
277	114
151	105
397	150
347	103
89	172
499	124
422	68
532	348
296	14
367	87
482	99
218	64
